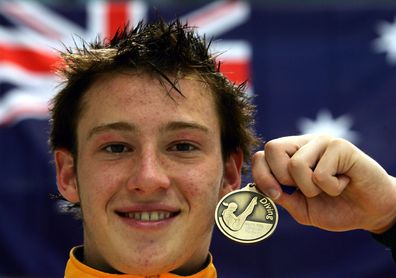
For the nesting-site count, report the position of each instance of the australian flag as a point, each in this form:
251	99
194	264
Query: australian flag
312	69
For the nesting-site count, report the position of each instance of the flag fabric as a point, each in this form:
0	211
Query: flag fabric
311	68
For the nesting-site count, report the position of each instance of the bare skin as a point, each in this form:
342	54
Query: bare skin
339	187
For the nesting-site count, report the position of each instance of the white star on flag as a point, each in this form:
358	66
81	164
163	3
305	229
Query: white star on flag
387	40
325	124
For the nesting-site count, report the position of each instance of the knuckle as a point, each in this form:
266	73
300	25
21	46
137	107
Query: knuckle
295	164
325	137
257	156
271	146
339	143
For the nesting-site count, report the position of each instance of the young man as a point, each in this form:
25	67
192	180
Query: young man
148	135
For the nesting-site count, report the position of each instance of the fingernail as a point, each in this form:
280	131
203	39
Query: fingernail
273	194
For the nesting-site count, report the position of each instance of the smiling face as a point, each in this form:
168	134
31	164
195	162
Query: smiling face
149	173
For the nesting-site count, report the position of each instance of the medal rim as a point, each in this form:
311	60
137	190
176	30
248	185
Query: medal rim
253	189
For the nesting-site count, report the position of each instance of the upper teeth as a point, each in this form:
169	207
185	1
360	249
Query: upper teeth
149	216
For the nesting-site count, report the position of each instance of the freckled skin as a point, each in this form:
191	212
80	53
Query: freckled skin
152	171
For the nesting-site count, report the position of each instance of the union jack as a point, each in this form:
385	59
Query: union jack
33	33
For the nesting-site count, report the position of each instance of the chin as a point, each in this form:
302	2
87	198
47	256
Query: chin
147	266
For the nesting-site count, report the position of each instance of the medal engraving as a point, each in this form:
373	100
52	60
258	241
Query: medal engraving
246	215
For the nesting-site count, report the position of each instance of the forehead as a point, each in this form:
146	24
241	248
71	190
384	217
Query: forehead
131	85
131	96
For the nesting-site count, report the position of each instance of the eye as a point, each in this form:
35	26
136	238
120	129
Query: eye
117	148
183	147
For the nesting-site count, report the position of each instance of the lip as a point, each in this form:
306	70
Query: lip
147	217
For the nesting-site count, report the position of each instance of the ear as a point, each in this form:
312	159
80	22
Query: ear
66	175
232	173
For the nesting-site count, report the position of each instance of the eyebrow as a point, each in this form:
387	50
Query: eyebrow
124	126
172	126
121	126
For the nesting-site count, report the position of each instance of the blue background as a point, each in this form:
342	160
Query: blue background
305	58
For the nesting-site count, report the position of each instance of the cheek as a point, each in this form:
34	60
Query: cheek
202	198
97	184
201	187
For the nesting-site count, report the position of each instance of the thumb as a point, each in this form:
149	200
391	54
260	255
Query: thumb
295	204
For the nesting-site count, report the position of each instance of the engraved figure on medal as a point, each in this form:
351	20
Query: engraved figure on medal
246	215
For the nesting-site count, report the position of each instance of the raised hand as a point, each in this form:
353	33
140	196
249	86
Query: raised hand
338	187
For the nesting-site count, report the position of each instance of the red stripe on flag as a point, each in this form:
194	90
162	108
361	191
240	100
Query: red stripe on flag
212	14
117	15
39	111
237	71
27	58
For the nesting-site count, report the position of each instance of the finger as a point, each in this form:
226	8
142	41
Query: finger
278	153
296	205
263	177
328	174
303	162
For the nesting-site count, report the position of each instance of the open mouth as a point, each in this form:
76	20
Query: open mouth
148	216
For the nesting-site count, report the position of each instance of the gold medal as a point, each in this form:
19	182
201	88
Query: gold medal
246	215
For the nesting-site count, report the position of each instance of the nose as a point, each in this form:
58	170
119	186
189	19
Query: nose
149	174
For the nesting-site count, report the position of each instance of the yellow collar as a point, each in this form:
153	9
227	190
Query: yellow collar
76	269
